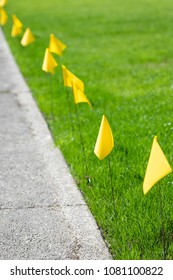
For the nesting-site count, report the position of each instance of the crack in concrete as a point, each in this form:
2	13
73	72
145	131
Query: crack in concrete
42	207
5	92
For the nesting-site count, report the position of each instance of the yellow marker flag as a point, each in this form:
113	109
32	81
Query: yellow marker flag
49	63
17	22
17	26
56	46
27	38
3	17
69	77
79	95
158	167
105	141
3	3
15	31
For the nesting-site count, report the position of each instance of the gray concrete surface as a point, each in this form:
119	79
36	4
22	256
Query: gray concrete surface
42	213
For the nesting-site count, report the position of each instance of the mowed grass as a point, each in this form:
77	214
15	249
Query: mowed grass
123	52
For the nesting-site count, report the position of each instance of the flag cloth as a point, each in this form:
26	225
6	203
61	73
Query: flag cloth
16	31
105	141
69	77
3	16
27	38
3	3
56	46
79	95
157	168
17	26
49	63
17	22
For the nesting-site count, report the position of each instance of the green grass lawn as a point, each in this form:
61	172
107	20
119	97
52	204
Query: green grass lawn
123	52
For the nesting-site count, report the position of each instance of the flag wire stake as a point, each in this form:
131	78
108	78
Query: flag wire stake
162	223
69	111
51	99
111	183
81	140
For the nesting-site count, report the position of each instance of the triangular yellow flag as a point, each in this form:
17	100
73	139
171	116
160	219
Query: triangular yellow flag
17	26
79	95
15	31
56	46
69	77
16	21
27	38
3	17
49	63
3	3
157	168
105	141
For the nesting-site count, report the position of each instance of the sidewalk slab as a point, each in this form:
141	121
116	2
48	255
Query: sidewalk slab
42	212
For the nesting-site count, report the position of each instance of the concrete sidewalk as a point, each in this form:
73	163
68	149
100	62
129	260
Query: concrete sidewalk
42	213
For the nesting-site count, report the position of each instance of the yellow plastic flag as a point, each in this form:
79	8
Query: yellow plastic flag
49	63
79	95
15	31
16	21
3	16
157	168
27	38
105	141
17	26
3	3
69	77
56	46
